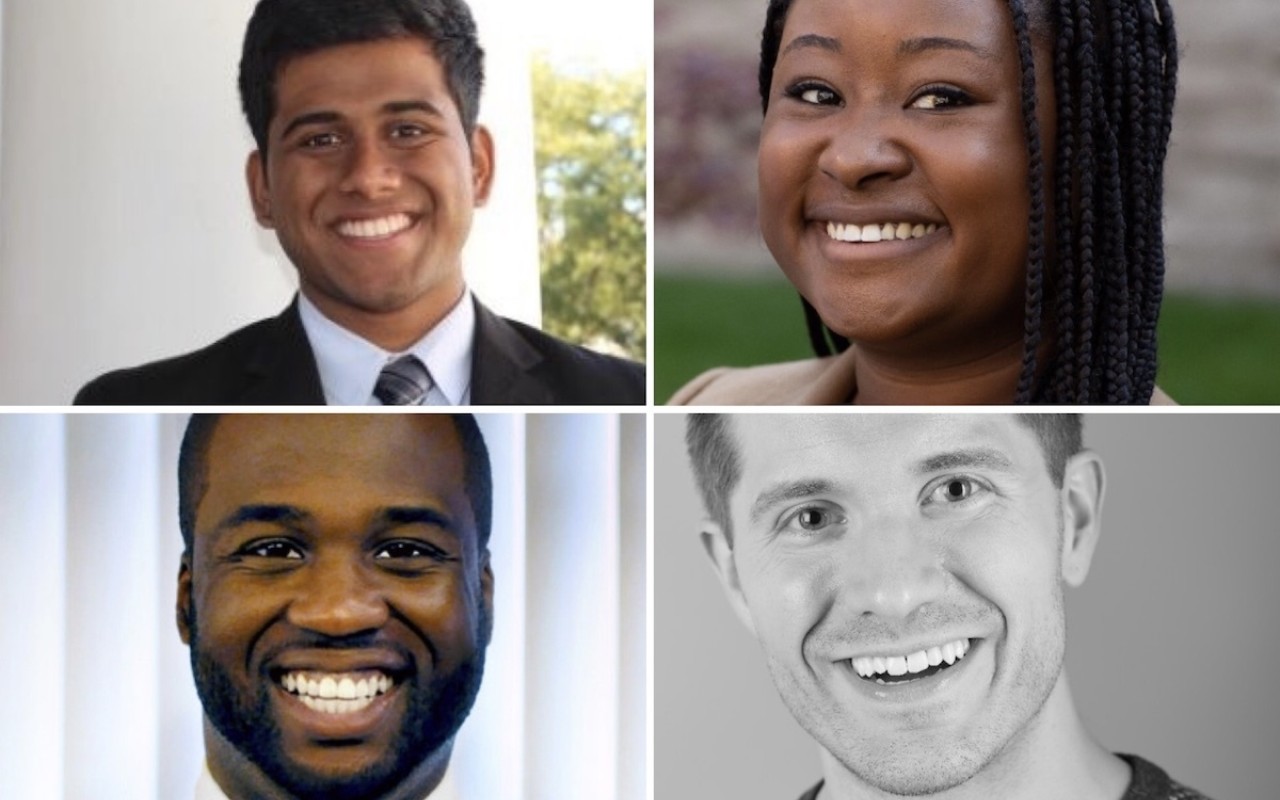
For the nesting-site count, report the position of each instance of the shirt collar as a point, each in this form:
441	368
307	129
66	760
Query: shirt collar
349	365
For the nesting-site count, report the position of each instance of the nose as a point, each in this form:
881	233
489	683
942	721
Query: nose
369	170
338	597
890	570
864	149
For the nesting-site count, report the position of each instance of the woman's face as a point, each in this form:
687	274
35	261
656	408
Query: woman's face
900	122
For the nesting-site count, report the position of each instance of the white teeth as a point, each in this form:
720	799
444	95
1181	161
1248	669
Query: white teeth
336	693
374	228
334	706
884	232
919	661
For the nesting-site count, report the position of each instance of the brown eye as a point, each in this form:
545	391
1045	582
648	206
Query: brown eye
273	548
409	548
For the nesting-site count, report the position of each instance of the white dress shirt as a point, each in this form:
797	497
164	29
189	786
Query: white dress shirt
349	365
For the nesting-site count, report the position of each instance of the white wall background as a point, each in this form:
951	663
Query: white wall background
125	228
99	699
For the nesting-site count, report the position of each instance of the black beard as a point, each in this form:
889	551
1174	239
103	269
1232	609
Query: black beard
433	716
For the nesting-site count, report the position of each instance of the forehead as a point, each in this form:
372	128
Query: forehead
873	446
983	23
362	75
328	459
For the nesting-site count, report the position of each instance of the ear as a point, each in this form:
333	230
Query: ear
183	609
482	164
486	592
1083	485
719	549
255	173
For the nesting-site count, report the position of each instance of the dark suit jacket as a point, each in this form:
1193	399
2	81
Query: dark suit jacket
270	363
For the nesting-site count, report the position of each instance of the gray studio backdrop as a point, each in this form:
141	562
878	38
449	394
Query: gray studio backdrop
1172	642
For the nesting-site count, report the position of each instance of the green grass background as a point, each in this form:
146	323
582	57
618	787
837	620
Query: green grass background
1212	350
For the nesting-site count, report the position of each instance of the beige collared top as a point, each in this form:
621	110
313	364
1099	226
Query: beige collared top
812	382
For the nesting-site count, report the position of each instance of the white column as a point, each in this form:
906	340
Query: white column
32	560
501	259
571	728
112	600
488	758
125	228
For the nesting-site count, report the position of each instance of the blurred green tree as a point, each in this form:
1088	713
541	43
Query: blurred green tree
589	141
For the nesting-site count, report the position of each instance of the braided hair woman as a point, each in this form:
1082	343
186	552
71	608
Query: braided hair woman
968	197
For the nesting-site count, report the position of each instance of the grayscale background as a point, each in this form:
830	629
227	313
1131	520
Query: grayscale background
1172	643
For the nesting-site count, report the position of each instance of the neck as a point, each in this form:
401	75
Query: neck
1052	758
969	376
394	330
985	378
241	779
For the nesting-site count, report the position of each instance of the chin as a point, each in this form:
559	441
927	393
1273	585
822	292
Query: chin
913	770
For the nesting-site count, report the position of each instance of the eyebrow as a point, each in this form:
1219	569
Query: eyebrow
415	515
911	47
812	40
263	512
388	109
787	490
982	458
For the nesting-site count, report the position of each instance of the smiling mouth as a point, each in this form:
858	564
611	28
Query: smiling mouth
892	670
337	692
380	228
883	232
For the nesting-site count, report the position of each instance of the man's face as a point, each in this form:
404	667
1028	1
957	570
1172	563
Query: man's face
370	180
336	604
903	577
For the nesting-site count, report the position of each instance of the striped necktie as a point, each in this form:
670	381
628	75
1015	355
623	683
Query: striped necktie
404	381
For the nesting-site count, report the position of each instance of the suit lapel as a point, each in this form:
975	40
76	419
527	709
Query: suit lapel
502	365
282	369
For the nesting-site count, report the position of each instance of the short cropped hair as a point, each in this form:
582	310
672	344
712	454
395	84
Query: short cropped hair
193	473
717	464
282	29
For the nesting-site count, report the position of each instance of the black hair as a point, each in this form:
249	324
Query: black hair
282	29
1098	294
717	464
193	473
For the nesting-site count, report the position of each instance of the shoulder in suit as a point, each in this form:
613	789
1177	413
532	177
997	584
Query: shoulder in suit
515	364
266	363
271	363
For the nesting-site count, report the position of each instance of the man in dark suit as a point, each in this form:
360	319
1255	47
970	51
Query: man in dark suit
369	164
